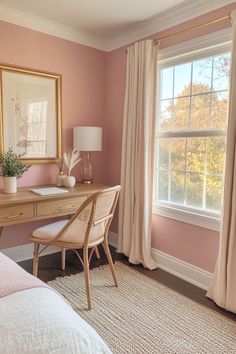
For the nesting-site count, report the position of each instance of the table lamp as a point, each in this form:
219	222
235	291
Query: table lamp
86	140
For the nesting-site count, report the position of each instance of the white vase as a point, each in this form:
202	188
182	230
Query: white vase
69	181
9	184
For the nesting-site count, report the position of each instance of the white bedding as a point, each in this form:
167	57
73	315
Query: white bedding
39	321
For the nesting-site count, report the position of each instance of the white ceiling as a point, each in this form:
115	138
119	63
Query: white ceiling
105	18
103	24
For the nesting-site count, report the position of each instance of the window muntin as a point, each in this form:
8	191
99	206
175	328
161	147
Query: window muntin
191	134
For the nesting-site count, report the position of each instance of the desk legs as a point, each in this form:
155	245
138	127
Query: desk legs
1	230
97	252
36	259
63	258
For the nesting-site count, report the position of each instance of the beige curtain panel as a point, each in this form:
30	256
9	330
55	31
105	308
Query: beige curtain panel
223	286
135	212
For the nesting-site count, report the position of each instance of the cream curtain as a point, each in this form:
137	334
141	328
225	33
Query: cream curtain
135	211
223	286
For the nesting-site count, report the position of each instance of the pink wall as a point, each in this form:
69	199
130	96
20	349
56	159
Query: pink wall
83	71
93	85
189	243
192	244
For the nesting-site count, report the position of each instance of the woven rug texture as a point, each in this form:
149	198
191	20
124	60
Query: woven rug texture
144	316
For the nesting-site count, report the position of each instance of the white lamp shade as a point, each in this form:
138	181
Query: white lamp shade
87	138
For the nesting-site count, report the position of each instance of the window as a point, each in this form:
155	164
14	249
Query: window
37	128
191	138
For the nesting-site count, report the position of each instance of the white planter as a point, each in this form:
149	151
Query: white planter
9	184
69	181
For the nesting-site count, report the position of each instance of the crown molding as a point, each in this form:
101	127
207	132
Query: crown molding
181	13
178	14
36	23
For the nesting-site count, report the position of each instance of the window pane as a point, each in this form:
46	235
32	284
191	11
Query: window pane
191	151
178	147
221	67
181	113
182	79
195	154
164	150
214	188
163	182
177	187
200	111
219	111
194	190
165	122
167	83
215	151
202	72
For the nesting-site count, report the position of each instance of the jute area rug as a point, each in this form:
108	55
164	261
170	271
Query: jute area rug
143	316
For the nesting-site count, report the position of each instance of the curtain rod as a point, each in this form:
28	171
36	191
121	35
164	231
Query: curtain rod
190	29
156	41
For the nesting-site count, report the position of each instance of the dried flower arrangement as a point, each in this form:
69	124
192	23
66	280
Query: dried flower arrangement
71	160
60	163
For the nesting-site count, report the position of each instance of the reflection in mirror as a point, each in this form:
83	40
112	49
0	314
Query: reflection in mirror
31	122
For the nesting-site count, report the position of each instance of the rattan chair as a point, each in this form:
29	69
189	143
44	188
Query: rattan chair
87	228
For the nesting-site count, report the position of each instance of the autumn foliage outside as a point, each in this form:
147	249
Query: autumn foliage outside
192	128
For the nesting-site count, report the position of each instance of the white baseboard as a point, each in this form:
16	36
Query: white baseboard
113	239
183	270
175	266
170	264
23	252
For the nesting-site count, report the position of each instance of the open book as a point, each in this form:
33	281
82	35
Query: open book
49	191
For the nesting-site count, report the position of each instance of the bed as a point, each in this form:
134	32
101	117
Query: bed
35	319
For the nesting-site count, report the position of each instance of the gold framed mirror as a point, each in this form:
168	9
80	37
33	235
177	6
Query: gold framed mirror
30	113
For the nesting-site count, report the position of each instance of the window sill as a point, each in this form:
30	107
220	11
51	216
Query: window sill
190	217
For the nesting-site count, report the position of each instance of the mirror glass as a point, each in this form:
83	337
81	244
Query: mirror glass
30	114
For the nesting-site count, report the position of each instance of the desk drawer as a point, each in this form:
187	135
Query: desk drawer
59	206
17	212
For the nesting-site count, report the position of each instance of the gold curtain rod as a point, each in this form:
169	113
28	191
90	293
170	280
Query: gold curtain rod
190	29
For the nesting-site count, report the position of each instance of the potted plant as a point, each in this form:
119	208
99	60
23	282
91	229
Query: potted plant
11	168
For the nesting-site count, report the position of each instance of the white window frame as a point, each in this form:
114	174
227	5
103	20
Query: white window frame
199	48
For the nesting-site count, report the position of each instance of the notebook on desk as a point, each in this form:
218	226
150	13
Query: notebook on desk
49	191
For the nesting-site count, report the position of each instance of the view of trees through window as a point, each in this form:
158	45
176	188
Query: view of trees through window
192	124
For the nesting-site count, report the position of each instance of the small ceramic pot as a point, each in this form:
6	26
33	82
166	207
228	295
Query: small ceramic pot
60	179
69	181
9	184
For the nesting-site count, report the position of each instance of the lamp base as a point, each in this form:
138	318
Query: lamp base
87	168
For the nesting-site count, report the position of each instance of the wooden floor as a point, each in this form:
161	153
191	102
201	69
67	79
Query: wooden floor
49	269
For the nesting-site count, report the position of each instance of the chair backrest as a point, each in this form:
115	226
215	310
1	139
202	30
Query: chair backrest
93	218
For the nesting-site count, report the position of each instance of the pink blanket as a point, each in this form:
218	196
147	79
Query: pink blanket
13	278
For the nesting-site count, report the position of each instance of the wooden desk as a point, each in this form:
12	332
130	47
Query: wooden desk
25	206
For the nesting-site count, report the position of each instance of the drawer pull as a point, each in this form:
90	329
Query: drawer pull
16	215
66	208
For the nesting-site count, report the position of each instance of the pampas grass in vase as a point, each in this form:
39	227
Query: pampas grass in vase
70	161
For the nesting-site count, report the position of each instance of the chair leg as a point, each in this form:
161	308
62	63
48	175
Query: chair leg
63	258
110	261
97	252
86	276
36	259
